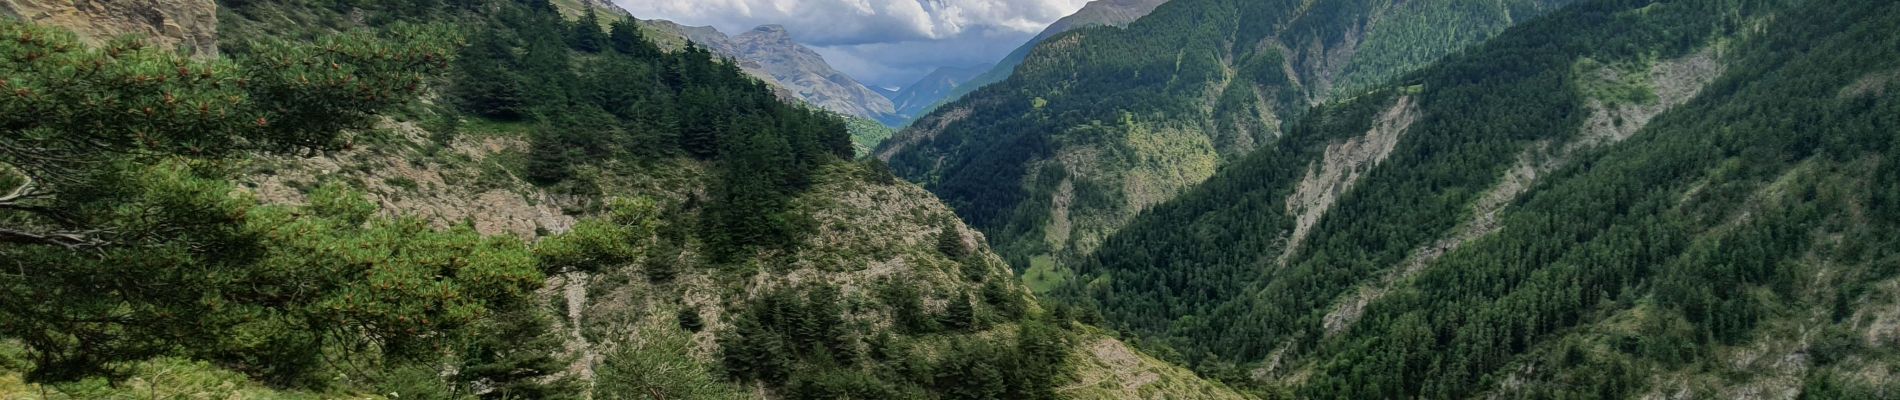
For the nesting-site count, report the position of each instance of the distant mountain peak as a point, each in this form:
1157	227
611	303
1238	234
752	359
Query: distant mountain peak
770	53
775	34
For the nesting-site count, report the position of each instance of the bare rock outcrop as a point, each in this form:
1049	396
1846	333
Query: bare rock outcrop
445	195
188	25
1340	170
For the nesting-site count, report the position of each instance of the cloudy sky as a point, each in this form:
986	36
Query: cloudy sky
886	43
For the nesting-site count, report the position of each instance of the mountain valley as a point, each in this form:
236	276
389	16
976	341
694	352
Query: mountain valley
1150	199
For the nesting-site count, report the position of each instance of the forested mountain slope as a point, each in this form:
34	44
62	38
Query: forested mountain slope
1657	199
808	78
1100	123
484	199
923	95
1095	13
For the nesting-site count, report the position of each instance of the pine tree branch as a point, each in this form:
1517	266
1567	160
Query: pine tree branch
30	190
26	189
69	240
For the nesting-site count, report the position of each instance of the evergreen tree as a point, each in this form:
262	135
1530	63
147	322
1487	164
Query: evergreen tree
655	367
485	81
625	36
138	202
542	7
513	355
907	308
959	315
1004	300
839	384
950	241
689	320
825	323
551	158
1041	354
750	352
750	199
594	245
664	263
702	122
545	59
585	35
96	197
966	372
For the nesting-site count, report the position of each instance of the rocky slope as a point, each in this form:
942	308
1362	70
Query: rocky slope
870	234
189	25
673	36
770	53
807	75
1098	124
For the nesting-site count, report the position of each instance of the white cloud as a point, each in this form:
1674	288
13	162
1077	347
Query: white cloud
844	22
890	39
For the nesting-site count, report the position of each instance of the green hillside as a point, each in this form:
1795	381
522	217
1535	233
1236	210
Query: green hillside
1622	199
1097	13
866	134
526	199
483	199
1100	123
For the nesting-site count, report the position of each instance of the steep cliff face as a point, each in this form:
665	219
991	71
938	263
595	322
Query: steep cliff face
807	74
189	25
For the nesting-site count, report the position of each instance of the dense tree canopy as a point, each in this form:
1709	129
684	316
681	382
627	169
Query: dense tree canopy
1698	228
799	340
613	100
128	242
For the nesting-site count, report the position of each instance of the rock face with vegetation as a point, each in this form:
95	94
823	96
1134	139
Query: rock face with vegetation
919	97
805	73
1594	204
1095	13
822	85
1100	123
769	53
189	25
118	168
